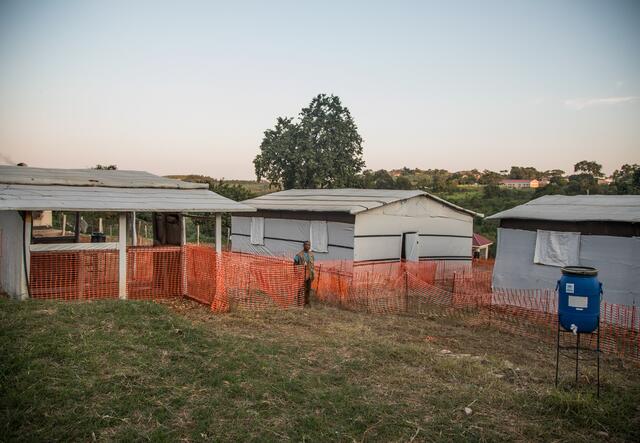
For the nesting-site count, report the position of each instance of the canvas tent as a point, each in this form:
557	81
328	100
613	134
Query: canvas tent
24	190
603	231
355	224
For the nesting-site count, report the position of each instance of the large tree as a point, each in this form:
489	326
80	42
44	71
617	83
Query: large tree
592	168
626	180
321	150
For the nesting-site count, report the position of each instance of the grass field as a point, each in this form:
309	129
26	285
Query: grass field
145	371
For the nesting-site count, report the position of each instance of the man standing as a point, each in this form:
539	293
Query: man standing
305	258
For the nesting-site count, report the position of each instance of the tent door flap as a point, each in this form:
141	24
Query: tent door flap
410	246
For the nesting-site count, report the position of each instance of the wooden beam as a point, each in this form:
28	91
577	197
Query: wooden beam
28	221
218	233
122	256
49	247
77	232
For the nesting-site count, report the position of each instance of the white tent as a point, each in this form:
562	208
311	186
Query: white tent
355	224
24	190
603	231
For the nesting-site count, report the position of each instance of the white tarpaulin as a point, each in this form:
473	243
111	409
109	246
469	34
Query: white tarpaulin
257	231
319	236
284	237
616	258
554	248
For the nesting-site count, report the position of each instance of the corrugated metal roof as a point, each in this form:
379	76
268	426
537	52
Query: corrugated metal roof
480	240
352	201
96	198
22	175
620	208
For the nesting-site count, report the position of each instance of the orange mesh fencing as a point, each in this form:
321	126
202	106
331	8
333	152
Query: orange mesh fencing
237	281
201	273
154	272
74	275
253	282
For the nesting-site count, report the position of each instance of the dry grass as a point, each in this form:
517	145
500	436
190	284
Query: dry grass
113	371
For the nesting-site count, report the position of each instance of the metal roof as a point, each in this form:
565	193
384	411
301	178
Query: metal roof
22	175
95	198
619	208
40	189
352	201
479	240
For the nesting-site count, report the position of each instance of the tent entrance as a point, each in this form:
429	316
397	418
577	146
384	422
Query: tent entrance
410	246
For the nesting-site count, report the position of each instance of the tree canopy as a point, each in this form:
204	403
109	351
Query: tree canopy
322	149
587	167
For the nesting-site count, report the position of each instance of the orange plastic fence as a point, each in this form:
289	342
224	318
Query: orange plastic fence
251	282
74	275
418	288
154	272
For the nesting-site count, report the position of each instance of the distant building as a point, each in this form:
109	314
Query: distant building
480	246
520	184
605	181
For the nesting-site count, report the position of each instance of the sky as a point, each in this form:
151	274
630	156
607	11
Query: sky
176	87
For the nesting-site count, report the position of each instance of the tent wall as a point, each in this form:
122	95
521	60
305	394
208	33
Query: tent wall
444	233
616	258
284	237
12	277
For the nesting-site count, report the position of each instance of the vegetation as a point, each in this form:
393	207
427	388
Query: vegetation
321	150
475	190
141	371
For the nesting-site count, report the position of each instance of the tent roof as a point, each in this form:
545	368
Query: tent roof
352	201
22	175
618	208
38	189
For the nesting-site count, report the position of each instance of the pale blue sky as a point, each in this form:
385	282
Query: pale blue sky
184	86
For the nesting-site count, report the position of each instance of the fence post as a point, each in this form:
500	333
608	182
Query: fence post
183	256
122	256
406	289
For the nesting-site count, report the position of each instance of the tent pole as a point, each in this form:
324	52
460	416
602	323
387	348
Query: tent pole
122	256
218	233
27	232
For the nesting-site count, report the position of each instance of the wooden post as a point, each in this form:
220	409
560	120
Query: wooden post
134	232
77	228
218	233
183	238
64	224
28	221
100	224
197	234
183	255
122	255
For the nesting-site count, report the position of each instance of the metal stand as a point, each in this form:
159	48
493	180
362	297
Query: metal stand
570	354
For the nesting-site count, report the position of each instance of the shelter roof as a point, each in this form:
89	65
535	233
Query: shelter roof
22	175
38	189
616	208
480	240
348	200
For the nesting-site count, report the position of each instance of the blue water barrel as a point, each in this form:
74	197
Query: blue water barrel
579	298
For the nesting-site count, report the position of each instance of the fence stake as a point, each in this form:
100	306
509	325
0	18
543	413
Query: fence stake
406	289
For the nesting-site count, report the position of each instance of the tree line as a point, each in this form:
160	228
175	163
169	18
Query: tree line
322	148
